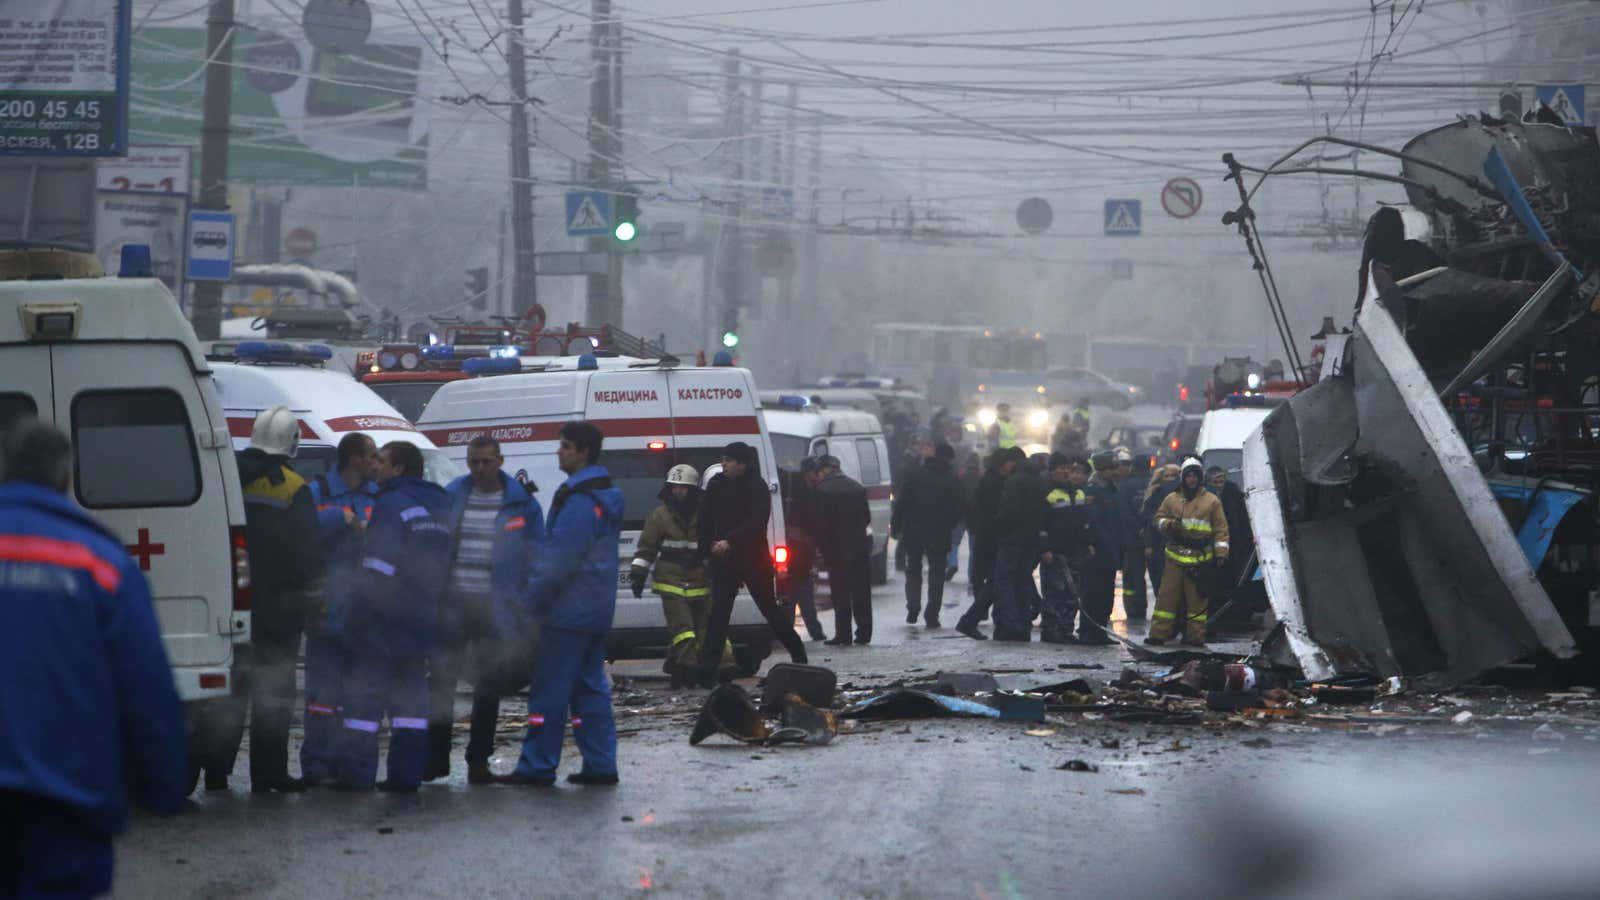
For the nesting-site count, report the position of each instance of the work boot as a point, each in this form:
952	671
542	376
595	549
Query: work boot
971	631
932	623
911	617
592	778
479	773
518	779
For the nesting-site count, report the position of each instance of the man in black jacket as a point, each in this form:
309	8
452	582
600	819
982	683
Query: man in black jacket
1100	570
926	512
981	522
733	536
1018	532
842	520
285	558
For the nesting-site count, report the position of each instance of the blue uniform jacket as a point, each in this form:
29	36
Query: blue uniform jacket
88	711
517	529
1110	524
574	583
404	567
341	545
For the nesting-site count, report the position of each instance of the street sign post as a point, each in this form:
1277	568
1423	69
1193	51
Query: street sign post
1181	198
1565	100
210	245
1123	218
588	213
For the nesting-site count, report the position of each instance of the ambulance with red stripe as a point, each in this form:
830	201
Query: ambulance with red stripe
112	362
654	415
253	376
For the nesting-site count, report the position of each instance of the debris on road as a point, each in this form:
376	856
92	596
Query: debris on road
1078	765
912	704
814	685
729	711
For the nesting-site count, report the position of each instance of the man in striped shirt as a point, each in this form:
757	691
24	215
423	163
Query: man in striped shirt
494	520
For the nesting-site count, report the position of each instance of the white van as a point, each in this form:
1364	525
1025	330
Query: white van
654	416
328	402
114	364
800	429
1223	433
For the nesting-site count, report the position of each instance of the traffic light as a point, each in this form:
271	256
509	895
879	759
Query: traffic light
624	210
730	339
477	285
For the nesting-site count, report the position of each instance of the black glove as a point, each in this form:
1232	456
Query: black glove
637	578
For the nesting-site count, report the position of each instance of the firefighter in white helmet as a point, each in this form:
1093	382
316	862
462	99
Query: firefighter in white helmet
1192	521
669	541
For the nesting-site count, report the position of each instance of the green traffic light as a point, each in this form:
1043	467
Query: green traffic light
625	231
730	340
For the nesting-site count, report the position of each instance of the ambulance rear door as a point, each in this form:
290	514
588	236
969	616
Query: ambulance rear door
147	463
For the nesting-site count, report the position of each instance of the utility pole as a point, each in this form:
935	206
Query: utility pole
756	176
613	313
500	291
730	244
811	290
524	288
785	174
598	295
216	111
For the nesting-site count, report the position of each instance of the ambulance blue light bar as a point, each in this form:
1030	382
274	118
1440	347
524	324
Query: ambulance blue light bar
278	351
793	401
492	366
439	351
505	352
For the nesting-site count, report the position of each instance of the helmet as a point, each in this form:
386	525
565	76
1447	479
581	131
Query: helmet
1192	463
276	432
1124	455
683	474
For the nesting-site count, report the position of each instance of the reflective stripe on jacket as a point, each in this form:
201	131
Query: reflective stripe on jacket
1196	528
673	546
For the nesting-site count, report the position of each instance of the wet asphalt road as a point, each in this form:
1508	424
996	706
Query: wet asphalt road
930	808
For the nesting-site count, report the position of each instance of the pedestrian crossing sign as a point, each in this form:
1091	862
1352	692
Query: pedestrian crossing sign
588	213
1565	100
1123	218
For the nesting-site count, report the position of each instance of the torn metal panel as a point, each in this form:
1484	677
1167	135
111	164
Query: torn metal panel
1390	555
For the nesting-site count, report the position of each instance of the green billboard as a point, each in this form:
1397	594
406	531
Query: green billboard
300	116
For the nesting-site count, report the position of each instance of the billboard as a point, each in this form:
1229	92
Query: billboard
64	77
301	116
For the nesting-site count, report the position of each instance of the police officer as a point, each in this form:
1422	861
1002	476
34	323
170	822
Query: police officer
390	625
1196	529
983	520
733	535
572	595
90	716
1003	433
1069	540
494	523
927	510
285	558
1100	569
669	542
1020	525
344	499
843	522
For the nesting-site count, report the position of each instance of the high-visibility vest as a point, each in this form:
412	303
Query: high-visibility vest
1007	433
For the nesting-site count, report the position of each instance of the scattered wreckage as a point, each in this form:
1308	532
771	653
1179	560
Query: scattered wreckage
1427	508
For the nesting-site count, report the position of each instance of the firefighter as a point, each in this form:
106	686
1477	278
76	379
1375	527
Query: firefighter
1196	529
91	718
1003	433
1068	541
391	623
344	499
670	542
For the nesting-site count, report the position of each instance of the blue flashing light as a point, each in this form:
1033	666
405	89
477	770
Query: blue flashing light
136	262
1242	401
723	358
492	366
439	351
507	352
278	351
587	362
793	401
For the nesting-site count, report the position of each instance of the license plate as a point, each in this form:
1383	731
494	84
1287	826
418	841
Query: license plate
625	578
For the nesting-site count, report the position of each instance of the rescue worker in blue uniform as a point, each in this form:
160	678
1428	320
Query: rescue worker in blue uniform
390	624
344	499
572	596
97	719
494	528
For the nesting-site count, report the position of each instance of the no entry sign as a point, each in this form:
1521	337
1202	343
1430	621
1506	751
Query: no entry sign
1181	198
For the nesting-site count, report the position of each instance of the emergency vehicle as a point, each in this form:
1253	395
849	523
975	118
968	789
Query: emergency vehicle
799	429
114	364
654	415
328	403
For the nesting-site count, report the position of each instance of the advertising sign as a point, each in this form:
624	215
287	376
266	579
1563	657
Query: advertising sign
154	220
64	77
146	170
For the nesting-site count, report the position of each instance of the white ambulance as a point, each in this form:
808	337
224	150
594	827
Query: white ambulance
800	428
329	403
114	364
654	416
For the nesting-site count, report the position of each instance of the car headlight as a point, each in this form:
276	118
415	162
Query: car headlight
987	417
1252	381
1038	418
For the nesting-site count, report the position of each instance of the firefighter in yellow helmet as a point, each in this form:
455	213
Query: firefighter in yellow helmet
1196	530
670	542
